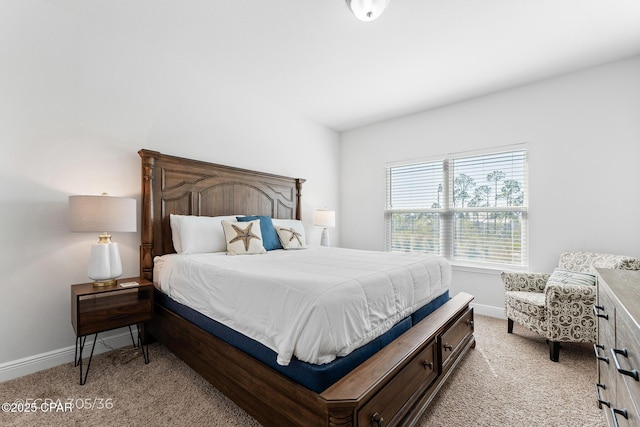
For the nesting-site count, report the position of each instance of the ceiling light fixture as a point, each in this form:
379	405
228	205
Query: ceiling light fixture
367	10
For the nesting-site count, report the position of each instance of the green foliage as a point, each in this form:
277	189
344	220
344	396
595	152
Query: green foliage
477	236
464	188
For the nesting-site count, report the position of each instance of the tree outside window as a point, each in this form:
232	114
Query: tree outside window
468	208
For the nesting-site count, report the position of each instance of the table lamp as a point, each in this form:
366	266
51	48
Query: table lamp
103	214
324	218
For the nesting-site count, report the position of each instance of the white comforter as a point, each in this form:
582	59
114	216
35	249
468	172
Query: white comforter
317	303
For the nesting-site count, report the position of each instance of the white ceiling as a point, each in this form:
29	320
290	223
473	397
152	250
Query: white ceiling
315	58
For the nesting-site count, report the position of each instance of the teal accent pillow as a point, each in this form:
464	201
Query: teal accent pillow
270	239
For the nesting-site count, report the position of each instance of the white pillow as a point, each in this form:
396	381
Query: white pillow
192	234
567	277
243	238
297	225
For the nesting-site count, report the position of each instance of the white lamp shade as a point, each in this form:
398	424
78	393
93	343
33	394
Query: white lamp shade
324	218
102	214
367	10
104	262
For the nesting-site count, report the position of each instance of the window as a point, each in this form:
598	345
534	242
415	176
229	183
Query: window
470	208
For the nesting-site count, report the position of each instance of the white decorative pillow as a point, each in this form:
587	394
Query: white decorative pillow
192	234
291	223
567	277
243	238
290	238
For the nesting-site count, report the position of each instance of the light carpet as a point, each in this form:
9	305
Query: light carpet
507	380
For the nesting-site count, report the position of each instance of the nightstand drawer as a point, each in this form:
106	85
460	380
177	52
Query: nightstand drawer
98	310
92	318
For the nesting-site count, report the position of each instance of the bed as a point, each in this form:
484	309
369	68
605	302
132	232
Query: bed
391	383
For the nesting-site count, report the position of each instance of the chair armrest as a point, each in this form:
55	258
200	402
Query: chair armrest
525	282
570	314
565	294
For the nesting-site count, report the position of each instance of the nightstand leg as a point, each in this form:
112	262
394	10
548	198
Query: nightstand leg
79	344
133	340
79	361
144	346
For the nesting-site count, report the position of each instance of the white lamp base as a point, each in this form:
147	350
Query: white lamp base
324	239
105	265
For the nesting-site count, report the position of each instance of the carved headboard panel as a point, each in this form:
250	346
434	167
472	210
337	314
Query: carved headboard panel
175	185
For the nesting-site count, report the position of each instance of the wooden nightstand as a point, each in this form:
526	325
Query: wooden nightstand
99	309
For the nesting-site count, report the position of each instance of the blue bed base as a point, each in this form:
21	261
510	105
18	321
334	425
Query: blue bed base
314	377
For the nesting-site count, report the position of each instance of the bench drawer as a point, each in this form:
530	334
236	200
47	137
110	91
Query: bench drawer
454	339
405	387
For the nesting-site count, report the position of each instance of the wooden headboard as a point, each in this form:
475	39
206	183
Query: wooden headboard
175	185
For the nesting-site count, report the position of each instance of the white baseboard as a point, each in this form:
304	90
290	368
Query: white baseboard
488	310
31	364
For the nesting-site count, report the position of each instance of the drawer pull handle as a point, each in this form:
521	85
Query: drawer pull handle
622	412
469	322
595	312
448	346
600	401
427	364
377	420
632	373
121	316
603	358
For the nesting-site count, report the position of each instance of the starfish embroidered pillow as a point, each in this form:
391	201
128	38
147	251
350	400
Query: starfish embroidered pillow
243	238
270	239
291	223
291	238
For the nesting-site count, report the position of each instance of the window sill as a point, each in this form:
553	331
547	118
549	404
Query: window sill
491	269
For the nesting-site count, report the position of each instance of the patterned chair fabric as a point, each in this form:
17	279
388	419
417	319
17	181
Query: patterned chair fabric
560	312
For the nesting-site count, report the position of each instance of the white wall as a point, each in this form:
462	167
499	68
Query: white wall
75	107
583	131
76	104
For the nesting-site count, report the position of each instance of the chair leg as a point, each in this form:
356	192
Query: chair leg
509	326
554	350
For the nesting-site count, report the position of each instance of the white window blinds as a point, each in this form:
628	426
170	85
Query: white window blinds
415	194
468	208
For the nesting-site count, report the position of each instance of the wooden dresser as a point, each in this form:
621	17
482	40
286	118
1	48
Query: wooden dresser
618	346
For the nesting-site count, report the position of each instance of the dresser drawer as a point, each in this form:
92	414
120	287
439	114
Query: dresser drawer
606	386
607	375
453	340
624	410
627	354
618	347
414	378
605	312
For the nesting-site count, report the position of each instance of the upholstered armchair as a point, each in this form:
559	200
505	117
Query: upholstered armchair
559	306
